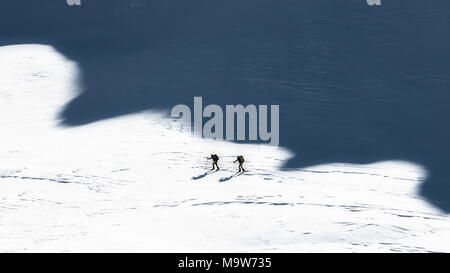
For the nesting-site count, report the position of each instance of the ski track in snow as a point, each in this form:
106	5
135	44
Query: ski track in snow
136	183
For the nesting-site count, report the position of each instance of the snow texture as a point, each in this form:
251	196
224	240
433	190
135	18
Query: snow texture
135	183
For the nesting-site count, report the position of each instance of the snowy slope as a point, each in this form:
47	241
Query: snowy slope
136	183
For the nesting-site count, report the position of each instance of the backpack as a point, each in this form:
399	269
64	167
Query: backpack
215	157
241	158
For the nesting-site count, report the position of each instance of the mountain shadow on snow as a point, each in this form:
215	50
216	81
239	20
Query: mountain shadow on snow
355	83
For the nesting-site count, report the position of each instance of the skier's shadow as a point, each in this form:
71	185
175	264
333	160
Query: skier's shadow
202	175
224	179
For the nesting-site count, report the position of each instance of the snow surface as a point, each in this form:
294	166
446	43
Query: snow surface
136	183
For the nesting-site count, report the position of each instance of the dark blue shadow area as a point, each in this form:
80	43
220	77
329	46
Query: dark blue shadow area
355	83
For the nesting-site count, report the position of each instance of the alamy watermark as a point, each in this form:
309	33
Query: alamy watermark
258	127
78	2
73	2
374	2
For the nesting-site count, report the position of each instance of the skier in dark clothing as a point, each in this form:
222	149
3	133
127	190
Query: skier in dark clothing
214	158
241	160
